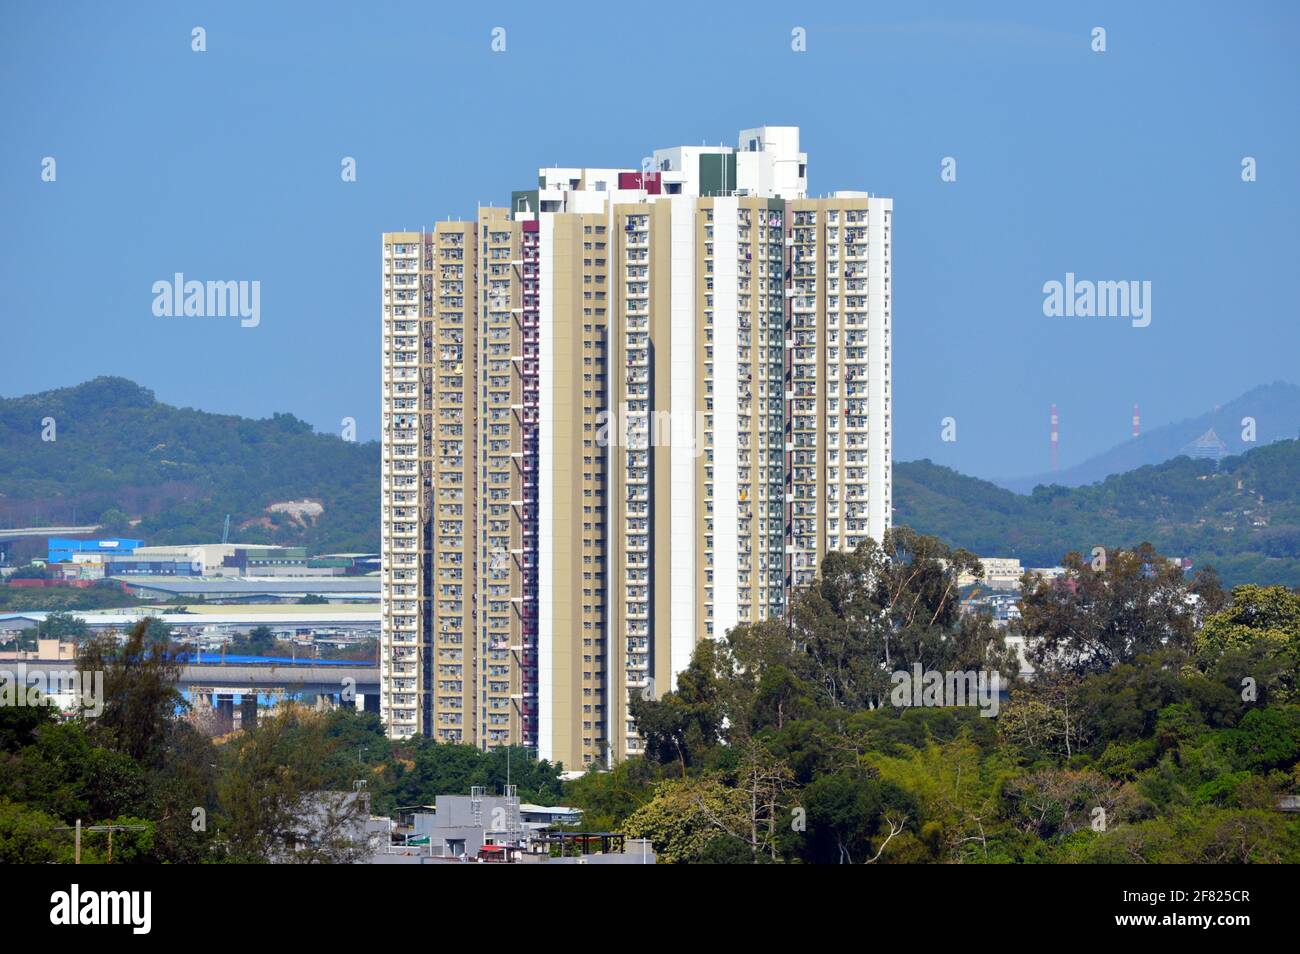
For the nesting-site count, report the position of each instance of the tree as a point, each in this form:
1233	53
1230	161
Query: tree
113	522
19	725
1203	835
607	798
260	640
1043	720
1093	618
423	769
269	792
1126	702
957	792
156	631
1266	739
62	626
140	695
760	678
181	797
1256	637
65	773
686	815
1054	803
885	608
852	817
27	836
765	781
30	571
681	725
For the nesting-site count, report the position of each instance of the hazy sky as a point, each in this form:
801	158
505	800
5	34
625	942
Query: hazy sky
225	165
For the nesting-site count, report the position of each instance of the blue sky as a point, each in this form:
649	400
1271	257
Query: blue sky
225	165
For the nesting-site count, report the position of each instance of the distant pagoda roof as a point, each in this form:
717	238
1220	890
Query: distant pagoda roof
1207	447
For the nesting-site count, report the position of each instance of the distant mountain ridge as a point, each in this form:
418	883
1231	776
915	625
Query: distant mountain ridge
1275	409
1242	518
170	475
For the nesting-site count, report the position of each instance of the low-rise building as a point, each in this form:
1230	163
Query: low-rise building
462	825
1048	572
499	829
47	650
66	550
333	589
1001	573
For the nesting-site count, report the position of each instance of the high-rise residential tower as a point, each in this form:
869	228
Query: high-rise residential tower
626	414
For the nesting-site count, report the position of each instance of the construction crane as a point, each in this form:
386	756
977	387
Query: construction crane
225	533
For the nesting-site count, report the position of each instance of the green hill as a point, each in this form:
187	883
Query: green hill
1243	518
120	456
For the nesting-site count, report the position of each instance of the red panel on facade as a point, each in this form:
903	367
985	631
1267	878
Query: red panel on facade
650	181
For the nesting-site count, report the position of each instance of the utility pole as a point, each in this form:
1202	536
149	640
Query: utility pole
78	828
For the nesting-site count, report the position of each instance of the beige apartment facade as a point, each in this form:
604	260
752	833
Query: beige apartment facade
679	395
429	486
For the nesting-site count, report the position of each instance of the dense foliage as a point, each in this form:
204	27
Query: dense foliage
1161	725
247	797
1243	517
103	594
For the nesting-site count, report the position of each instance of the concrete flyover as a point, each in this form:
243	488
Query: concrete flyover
15	533
294	678
234	692
268	679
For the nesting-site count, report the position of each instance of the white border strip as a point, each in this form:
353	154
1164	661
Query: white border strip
683	536
546	490
726	558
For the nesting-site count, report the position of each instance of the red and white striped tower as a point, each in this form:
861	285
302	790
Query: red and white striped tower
1056	436
1137	421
